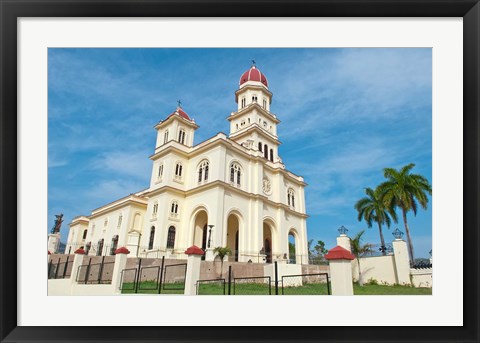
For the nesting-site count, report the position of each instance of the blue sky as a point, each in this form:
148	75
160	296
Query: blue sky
345	115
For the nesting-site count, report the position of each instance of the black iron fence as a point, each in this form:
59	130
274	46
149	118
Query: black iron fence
211	287
164	278
256	285
95	273
60	269
306	284
375	250
301	284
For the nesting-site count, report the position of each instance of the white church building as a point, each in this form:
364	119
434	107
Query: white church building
229	190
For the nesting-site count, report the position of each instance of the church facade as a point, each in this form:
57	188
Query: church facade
227	191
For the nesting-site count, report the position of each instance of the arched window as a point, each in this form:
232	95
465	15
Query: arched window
160	171
152	238
84	234
100	247
203	171
260	146
155	209
249	120
171	237
265	151
264	103
178	171
271	155
254	98
291	197
174	209
120	217
235	174
165	137
114	245
244	102
181	136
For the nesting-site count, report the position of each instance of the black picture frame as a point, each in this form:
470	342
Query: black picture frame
11	10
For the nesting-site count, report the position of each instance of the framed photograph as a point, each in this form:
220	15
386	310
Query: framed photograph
36	37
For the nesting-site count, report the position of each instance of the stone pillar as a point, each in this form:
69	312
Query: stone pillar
77	262
402	261
344	241
194	260
340	270
121	255
53	242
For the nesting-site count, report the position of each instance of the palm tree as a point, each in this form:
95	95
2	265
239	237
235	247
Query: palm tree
359	250
403	189
372	209
221	253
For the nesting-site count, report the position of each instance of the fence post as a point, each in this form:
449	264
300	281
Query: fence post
194	260
229	279
49	267
56	269
138	274
160	277
100	271
87	273
341	270
276	278
65	268
121	256
77	262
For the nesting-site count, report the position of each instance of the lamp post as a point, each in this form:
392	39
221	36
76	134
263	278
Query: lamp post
209	235
342	230
397	234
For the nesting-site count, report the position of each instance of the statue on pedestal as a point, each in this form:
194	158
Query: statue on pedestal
58	223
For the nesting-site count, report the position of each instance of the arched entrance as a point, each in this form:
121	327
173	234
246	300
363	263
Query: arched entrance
267	242
200	230
233	229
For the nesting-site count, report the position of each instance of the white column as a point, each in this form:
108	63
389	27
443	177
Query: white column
77	262
340	270
121	256
344	241
402	261
194	260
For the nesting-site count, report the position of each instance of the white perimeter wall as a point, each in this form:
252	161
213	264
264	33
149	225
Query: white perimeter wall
380	268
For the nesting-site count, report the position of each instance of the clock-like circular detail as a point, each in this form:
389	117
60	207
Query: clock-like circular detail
267	186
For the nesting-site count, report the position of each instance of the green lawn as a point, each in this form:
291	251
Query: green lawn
389	290
148	287
151	287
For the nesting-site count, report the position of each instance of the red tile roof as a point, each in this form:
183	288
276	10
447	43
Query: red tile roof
80	251
339	253
253	74
194	250
122	250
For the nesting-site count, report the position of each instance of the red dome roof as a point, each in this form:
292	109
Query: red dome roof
181	113
253	74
